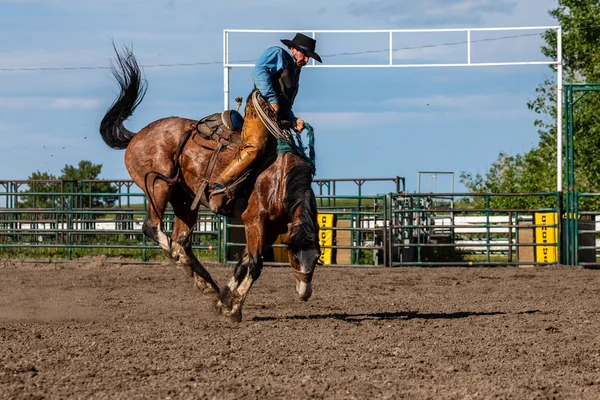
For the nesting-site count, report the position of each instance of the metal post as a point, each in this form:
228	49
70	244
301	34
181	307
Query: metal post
576	195
487	227
570	179
391	49
70	228
469	46
571	190
226	70
510	237
384	241
567	225
390	224
219	224
144	243
559	109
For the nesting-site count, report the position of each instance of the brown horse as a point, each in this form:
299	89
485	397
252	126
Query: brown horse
171	169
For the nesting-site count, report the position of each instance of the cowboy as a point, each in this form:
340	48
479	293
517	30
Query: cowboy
276	76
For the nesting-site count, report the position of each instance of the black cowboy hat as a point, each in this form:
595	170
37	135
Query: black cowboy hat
303	43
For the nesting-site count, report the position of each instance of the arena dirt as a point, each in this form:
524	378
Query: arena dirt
98	330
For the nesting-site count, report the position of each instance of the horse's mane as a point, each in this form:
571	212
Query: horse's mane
299	194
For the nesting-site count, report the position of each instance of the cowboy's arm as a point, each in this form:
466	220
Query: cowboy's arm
291	117
266	66
296	123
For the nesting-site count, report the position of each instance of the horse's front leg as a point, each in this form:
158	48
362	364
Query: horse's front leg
246	272
233	295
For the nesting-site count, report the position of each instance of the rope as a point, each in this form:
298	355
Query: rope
285	140
298	148
280	135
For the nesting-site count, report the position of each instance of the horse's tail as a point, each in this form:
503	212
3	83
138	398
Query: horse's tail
128	75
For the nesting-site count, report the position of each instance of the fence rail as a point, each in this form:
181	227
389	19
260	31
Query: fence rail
394	229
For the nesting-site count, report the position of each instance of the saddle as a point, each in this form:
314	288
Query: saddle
223	129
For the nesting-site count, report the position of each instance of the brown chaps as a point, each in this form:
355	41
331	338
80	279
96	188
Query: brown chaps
255	136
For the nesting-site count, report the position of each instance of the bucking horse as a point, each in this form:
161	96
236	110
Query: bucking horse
175	160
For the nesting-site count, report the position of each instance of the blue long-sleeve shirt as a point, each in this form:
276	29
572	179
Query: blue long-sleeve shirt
267	65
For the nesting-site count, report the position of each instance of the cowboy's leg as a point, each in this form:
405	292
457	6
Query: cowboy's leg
254	141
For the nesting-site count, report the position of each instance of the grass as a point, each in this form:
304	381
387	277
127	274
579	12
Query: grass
55	253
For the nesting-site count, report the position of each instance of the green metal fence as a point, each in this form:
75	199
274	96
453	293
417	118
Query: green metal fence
573	93
469	229
53	220
585	241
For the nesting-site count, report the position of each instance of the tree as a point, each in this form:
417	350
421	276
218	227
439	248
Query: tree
40	182
534	171
80	179
86	171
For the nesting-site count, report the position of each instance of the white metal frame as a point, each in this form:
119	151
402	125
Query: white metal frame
227	65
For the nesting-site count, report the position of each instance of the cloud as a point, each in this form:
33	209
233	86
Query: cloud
49	59
51	103
30	138
507	101
10	128
525	13
426	111
430	12
50	33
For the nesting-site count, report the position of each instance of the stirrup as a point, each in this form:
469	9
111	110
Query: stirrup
217	189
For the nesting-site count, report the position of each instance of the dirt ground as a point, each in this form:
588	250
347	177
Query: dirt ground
97	330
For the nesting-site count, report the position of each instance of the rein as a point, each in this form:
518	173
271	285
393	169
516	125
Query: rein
285	139
299	149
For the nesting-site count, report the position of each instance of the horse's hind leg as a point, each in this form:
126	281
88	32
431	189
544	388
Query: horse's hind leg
158	197
181	246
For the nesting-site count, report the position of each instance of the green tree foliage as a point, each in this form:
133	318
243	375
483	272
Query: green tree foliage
87	171
80	180
39	183
535	170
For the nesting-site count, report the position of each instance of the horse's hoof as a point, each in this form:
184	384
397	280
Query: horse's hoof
236	318
200	283
227	313
218	307
232	316
204	287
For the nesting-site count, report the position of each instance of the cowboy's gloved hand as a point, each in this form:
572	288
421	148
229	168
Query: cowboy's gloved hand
299	127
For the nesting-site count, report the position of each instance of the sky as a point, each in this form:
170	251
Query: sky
369	122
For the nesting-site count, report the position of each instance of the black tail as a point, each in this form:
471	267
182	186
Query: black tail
133	88
300	194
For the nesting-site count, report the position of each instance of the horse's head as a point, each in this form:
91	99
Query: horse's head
303	231
304	256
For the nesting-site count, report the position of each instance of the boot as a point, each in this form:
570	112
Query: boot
222	194
254	141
